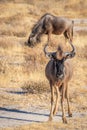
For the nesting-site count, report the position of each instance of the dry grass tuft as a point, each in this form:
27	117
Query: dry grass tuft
36	87
37	83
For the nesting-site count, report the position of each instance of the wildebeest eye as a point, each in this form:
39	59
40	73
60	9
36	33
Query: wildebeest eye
38	39
32	35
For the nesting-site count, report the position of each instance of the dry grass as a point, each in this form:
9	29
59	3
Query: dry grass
79	124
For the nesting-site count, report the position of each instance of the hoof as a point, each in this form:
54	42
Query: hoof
64	120
70	114
54	112
50	119
26	43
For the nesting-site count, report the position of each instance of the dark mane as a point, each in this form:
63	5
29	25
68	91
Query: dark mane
37	24
60	48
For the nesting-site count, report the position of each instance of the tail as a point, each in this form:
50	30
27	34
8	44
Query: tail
72	27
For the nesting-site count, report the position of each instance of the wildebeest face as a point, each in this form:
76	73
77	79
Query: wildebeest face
60	69
33	39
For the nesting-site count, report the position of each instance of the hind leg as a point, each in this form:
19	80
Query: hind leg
68	36
68	103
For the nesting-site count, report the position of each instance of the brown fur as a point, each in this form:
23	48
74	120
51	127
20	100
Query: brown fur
61	85
50	24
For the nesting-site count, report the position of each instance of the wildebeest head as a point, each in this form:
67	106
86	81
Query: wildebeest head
35	35
33	39
59	58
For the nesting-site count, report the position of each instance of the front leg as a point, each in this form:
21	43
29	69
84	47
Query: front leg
49	37
62	104
67	97
52	102
57	100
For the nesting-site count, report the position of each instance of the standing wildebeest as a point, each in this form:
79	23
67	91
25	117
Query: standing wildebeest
50	24
58	72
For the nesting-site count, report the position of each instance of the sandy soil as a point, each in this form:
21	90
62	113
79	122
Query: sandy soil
12	115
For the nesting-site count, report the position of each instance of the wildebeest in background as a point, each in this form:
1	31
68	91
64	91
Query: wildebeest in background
58	72
50	24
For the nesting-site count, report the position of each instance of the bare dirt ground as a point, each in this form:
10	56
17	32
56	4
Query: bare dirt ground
14	115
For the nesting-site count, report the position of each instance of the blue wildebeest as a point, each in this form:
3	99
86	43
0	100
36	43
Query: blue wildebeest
58	72
50	24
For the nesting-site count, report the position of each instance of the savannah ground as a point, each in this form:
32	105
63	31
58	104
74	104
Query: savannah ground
23	67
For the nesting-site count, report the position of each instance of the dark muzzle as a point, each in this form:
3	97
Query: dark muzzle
59	69
61	76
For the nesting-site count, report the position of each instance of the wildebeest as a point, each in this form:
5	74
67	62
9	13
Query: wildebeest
50	24
58	72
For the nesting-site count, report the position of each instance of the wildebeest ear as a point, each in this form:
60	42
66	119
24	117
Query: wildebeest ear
69	55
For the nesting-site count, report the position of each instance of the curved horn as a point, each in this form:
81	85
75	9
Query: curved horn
73	48
71	53
48	54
